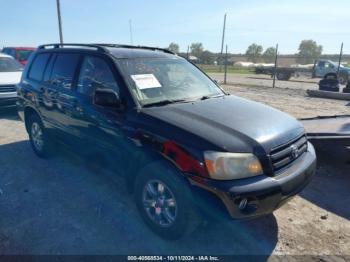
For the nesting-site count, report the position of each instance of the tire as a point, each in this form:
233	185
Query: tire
38	137
283	76
164	201
343	79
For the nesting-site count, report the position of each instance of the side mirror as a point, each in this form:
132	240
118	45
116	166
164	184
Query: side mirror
107	98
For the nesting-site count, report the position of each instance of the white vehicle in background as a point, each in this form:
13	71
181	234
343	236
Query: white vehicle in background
10	76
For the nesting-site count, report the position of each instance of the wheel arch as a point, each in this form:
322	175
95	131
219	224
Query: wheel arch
29	111
151	158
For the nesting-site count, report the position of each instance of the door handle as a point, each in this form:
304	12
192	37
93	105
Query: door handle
77	107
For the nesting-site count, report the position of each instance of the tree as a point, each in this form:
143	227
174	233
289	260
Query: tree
173	47
197	49
308	52
207	57
254	52
269	55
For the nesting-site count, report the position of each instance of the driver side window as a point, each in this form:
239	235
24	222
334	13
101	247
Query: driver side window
95	74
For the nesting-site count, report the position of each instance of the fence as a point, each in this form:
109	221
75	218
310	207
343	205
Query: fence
280	67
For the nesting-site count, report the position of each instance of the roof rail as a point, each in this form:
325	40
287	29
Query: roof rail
57	45
102	47
137	47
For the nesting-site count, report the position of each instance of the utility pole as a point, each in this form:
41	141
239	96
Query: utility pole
225	77
59	20
340	57
275	69
223	39
223	36
130	27
188	52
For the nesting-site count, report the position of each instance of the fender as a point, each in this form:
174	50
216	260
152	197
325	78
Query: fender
154	149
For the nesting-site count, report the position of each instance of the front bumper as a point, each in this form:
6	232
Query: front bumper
8	98
263	194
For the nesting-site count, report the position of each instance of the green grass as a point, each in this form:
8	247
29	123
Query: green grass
230	69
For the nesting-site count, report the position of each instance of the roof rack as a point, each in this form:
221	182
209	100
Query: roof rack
102	47
137	47
98	47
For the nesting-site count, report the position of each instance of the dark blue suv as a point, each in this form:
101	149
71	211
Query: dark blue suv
184	146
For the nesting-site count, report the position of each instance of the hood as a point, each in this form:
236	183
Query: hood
10	78
231	123
343	68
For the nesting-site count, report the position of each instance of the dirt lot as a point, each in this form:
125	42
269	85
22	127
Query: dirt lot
59	206
302	82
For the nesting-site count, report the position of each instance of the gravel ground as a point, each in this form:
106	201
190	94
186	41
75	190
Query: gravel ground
293	101
289	96
59	206
301	82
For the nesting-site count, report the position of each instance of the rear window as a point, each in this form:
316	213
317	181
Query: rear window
64	69
8	64
38	67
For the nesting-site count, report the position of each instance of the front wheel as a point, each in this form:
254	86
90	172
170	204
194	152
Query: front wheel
164	202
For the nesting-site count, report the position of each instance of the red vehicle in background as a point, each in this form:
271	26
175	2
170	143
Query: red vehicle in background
21	54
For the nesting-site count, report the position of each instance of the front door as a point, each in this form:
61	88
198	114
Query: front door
99	127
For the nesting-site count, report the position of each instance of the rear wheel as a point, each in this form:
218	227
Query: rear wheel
283	76
343	79
164	202
38	136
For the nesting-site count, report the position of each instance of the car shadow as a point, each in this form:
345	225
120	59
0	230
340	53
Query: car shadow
9	113
90	212
329	188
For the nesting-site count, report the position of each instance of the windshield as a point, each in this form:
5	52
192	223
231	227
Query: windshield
23	55
9	65
153	80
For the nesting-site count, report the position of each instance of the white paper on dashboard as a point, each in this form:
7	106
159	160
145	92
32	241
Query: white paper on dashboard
146	81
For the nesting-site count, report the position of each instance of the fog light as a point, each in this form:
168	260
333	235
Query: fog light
242	204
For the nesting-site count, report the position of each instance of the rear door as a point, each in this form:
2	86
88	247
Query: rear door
60	80
36	85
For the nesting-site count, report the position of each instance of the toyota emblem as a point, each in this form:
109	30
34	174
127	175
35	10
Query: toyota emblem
295	151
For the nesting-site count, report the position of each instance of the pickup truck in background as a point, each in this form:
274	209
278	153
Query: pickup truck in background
320	69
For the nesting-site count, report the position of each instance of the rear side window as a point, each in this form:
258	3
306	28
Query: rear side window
38	67
64	70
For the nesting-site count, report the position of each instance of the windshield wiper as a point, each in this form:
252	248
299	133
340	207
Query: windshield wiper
208	97
167	102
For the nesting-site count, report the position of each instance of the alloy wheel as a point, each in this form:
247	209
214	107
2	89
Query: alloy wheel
159	203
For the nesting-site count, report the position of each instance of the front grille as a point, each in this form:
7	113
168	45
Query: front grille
285	154
4	89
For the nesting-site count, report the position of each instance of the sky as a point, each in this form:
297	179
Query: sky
160	22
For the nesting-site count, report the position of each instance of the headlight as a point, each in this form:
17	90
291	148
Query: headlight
228	166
